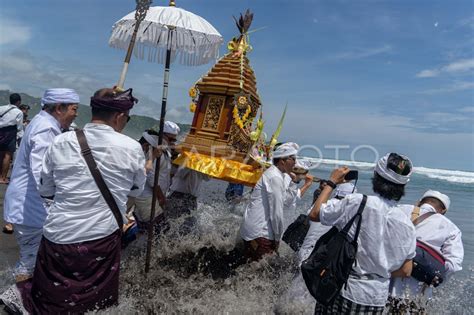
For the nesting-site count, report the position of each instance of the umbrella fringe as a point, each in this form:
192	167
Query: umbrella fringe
194	48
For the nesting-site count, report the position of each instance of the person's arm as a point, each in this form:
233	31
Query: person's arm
276	191
19	125
453	252
39	144
404	271
337	177
308	181
47	187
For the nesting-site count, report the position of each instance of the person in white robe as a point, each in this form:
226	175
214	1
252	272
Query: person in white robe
442	235
23	205
263	224
386	243
143	202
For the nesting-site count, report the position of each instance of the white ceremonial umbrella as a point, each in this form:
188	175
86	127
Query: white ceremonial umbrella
164	35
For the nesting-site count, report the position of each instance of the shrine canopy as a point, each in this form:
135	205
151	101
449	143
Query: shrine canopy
225	103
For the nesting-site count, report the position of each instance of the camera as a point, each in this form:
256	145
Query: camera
352	175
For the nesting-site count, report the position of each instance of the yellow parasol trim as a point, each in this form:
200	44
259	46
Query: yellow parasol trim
220	168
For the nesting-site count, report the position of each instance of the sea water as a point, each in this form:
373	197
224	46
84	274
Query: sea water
184	278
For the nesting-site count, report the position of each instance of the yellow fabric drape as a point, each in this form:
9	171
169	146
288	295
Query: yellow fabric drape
218	167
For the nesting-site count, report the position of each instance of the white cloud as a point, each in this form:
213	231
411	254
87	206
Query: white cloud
457	86
13	32
467	109
460	66
457	67
362	53
427	74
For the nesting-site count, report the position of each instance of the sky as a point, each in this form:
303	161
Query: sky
361	78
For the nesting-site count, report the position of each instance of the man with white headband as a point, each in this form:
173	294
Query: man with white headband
262	227
23	205
386	243
143	202
434	229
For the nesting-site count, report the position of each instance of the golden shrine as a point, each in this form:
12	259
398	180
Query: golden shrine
225	104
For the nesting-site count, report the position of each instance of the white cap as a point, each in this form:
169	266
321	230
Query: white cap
382	169
343	190
171	128
286	149
151	139
441	197
60	96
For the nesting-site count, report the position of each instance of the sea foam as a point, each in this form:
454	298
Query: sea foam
453	176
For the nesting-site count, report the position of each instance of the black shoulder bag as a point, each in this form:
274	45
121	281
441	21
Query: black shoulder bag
296	232
429	266
328	267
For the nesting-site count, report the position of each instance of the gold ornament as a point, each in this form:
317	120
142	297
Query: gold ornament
192	107
193	92
238	120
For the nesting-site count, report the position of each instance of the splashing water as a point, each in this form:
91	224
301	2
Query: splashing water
191	273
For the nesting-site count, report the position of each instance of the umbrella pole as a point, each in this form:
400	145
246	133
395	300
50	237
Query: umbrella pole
160	141
140	14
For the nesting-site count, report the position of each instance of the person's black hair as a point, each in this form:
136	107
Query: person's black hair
152	132
276	160
24	106
143	141
102	114
435	202
50	108
15	98
387	189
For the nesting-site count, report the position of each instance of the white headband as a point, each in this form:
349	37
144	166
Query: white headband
286	149
171	128
59	96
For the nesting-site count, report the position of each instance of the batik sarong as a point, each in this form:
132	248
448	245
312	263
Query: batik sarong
255	249
345	306
75	278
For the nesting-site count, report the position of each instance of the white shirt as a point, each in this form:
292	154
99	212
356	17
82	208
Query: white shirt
264	213
13	117
23	204
163	178
386	240
293	193
79	212
443	236
187	181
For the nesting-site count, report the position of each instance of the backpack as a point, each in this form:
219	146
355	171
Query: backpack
328	267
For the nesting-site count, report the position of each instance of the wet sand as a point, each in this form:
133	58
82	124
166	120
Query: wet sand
8	247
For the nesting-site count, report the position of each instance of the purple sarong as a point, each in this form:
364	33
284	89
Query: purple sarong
75	278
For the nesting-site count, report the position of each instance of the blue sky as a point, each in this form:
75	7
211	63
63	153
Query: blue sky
395	75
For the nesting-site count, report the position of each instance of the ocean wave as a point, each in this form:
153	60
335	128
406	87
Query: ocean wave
453	176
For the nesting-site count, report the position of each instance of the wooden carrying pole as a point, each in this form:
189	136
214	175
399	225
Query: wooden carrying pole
140	14
160	141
